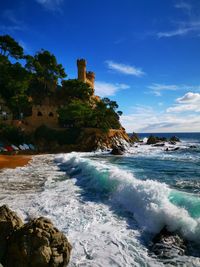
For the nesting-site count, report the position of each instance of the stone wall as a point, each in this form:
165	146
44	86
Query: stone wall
43	114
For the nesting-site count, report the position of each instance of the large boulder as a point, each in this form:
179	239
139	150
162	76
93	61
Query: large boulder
167	245
118	150
38	244
9	222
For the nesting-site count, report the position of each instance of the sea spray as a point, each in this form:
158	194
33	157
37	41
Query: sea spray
149	201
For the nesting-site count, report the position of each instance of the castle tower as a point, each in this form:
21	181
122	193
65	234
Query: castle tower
81	64
90	79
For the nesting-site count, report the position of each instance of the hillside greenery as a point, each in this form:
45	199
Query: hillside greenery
27	79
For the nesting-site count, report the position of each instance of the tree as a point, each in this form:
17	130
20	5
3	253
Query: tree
74	89
9	47
76	114
45	71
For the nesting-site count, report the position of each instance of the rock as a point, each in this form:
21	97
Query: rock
166	244
38	244
174	139
134	138
152	140
119	150
193	146
159	144
9	222
155	139
172	142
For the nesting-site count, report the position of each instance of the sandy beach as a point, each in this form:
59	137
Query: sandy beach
13	161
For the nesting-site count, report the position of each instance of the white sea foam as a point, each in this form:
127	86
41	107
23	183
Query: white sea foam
149	201
70	191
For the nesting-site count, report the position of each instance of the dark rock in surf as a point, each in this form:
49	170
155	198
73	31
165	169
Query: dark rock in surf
174	139
38	243
159	145
167	245
193	147
154	140
119	150
9	222
134	138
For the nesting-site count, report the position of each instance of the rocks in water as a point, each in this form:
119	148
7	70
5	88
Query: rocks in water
193	146
34	244
152	140
159	144
172	149
9	222
167	245
118	150
134	138
174	139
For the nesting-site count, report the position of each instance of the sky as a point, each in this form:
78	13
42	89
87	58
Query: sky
145	53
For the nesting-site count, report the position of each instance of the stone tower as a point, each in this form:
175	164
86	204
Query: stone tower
81	64
83	75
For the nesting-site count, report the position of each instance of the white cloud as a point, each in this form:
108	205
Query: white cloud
189	97
125	69
52	5
108	89
189	25
157	88
146	119
190	102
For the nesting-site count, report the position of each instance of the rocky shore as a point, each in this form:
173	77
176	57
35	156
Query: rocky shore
37	243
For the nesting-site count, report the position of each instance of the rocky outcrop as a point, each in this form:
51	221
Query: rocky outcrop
34	244
174	139
152	140
119	150
9	222
134	138
166	244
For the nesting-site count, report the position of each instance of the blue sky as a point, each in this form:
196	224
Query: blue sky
146	54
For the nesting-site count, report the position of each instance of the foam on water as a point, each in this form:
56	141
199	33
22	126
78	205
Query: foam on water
149	201
100	207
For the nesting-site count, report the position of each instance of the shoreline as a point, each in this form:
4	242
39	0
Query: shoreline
14	161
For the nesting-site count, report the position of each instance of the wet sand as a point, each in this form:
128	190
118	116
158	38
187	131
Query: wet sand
13	161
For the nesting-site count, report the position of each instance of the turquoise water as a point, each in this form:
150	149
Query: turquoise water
111	206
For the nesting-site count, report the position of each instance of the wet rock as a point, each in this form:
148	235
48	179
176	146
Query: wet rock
119	150
38	244
193	146
134	138
152	140
167	245
174	139
9	222
159	144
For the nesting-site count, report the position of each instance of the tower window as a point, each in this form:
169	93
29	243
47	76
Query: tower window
50	114
39	114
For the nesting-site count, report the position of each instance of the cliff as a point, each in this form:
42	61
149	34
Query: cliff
83	140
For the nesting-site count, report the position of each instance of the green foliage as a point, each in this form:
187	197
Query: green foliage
75	114
64	137
11	134
9	47
74	89
45	73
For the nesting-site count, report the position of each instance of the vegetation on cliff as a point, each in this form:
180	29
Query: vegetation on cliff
26	80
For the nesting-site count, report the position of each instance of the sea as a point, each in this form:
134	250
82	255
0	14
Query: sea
110	207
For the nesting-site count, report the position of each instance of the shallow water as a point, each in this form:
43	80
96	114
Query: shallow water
110	206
